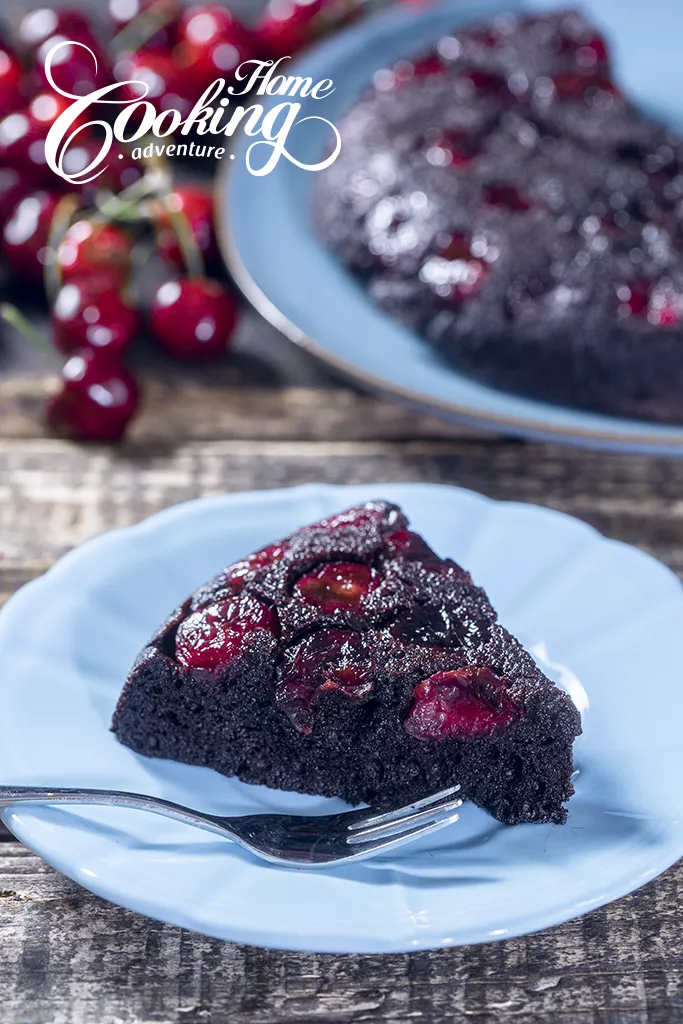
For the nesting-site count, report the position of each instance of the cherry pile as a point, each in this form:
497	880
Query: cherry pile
80	247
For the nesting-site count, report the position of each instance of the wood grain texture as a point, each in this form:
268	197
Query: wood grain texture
70	958
67	957
54	495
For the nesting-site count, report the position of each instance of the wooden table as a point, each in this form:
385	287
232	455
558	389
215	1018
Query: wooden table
269	417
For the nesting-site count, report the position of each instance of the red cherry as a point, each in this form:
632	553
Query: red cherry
454	272
10	81
466	702
208	640
25	235
193	318
122	12
666	307
22	146
288	25
235	574
506	196
328	660
410	546
88	247
73	69
450	148
87	314
39	25
337	585
98	399
634	298
169	87
574	86
488	82
213	43
118	169
196	205
360	515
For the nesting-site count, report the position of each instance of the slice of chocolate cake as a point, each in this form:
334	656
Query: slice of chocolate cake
350	660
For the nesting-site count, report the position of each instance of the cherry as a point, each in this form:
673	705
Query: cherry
361	515
661	305
98	399
119	171
421	67
22	146
328	660
574	85
466	702
213	43
73	69
39	25
196	205
337	585
506	196
88	247
450	148
488	82
634	298
193	318
410	546
10	80
89	314
23	134
25	235
431	627
288	25
168	85
666	307
454	272
236	573
208	640
122	12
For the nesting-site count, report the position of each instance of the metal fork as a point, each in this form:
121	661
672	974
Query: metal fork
300	841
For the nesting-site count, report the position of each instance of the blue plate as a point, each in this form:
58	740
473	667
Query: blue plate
601	618
286	272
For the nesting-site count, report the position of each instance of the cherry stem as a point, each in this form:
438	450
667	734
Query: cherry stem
138	31
126	205
187	243
61	221
12	316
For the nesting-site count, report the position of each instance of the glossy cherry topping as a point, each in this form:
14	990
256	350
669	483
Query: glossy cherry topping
410	545
337	585
427	626
208	640
362	515
506	196
328	660
466	702
450	148
259	560
454	272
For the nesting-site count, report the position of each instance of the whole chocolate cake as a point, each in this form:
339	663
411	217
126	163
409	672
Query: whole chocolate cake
350	660
504	199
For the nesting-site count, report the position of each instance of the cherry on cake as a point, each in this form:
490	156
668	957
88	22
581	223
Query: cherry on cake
350	660
503	198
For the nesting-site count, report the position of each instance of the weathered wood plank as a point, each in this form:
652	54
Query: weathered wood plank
54	495
175	411
70	958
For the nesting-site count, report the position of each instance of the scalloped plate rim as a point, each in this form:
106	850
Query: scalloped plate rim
82	558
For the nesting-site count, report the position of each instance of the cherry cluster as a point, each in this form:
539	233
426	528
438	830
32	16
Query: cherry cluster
80	242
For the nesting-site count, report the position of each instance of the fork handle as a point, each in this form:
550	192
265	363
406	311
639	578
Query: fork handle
10	795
